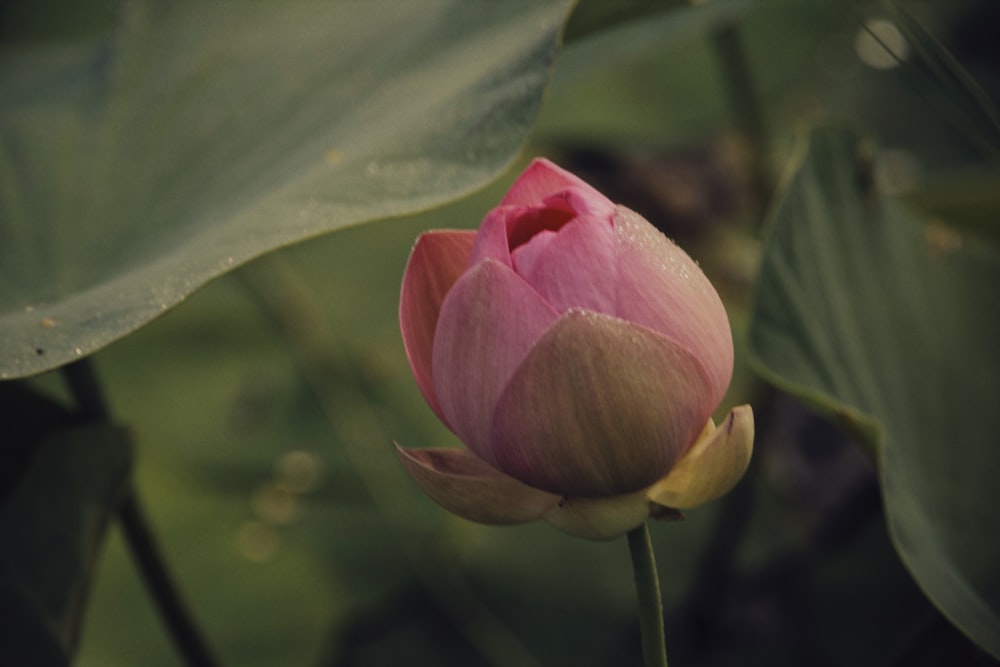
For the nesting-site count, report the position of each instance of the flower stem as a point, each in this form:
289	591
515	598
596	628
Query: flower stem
647	584
746	104
173	611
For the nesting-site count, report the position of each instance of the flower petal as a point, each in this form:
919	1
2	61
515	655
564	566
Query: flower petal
599	407
466	485
556	211
437	260
539	180
488	323
574	268
510	226
661	287
491	239
599	518
712	466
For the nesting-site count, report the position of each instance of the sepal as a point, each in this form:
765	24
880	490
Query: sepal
599	518
465	485
712	466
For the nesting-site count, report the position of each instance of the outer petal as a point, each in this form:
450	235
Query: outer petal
488	322
661	287
437	260
599	407
543	178
712	466
574	268
467	486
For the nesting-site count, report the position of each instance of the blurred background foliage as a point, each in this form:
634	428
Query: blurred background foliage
264	407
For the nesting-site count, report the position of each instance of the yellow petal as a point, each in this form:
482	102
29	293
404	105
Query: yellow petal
712	466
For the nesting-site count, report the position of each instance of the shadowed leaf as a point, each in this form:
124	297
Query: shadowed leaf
889	325
53	521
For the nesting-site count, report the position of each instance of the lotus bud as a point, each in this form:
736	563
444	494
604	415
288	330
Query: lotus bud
578	354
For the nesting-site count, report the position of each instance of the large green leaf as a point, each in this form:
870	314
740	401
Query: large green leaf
199	135
890	326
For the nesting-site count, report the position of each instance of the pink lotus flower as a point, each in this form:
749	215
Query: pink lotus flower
579	354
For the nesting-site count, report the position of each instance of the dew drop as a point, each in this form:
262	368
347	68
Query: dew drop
880	44
333	157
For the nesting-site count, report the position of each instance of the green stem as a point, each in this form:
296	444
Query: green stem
746	105
86	390
647	584
173	611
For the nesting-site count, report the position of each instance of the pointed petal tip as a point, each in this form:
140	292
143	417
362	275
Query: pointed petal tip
467	486
541	178
712	466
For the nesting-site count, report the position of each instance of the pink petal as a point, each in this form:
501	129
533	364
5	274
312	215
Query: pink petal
509	227
582	200
437	260
488	323
494	241
529	221
574	268
526	257
491	239
599	407
539	180
712	466
465	485
661	287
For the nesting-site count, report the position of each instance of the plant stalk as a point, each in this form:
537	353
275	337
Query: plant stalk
86	391
746	105
184	632
647	585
